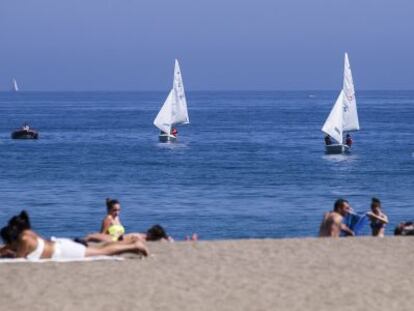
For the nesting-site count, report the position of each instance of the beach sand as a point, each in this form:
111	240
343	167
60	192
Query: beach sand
290	274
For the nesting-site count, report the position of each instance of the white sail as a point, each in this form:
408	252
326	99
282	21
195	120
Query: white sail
163	118
179	111
351	122
15	87
174	111
334	123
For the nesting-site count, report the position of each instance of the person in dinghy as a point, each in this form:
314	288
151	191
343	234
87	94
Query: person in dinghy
174	111
343	117
348	140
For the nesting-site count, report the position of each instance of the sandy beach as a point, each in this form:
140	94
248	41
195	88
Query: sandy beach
291	274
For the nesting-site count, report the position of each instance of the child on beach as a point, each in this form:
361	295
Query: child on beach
378	218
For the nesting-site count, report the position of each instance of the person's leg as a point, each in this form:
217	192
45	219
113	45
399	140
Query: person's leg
117	248
98	237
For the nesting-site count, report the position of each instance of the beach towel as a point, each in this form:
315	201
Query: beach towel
86	259
356	222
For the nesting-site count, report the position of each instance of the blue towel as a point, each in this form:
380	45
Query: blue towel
356	222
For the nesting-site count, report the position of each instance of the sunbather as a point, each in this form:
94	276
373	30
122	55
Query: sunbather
21	241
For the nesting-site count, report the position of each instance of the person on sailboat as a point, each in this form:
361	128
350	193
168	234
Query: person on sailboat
328	140
174	132
332	225
26	127
348	140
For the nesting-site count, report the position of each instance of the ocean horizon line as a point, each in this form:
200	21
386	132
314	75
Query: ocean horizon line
203	91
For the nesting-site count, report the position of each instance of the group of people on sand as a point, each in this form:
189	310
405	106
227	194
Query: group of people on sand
21	241
333	222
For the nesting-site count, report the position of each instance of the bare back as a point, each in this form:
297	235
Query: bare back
331	225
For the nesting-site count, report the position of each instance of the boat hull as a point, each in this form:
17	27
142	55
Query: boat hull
337	149
23	134
165	138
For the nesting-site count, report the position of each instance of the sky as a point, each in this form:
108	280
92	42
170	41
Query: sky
130	45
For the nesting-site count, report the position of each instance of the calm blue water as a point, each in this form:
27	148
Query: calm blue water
250	164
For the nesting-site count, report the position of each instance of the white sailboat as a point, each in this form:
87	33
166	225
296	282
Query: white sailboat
174	111
15	87
343	117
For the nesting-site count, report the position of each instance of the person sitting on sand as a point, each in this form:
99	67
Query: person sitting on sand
378	218
23	242
405	228
332	225
111	228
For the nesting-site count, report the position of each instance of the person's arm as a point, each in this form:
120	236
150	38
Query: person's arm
6	251
383	218
345	228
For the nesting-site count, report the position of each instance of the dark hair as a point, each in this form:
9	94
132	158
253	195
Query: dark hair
375	201
16	225
110	203
339	203
156	233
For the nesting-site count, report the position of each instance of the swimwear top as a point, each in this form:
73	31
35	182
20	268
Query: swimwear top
37	253
377	224
116	231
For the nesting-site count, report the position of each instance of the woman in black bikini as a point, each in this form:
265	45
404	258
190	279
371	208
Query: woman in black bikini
378	218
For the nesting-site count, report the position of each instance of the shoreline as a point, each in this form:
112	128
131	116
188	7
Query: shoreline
259	274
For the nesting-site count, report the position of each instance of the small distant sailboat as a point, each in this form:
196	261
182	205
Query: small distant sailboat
15	87
343	117
25	132
174	111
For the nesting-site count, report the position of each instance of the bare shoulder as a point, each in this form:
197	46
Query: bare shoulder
326	215
29	237
336	217
108	220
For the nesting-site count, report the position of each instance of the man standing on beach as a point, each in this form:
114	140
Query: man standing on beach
332	225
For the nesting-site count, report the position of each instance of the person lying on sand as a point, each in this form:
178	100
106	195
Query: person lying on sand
20	239
405	228
332	225
378	218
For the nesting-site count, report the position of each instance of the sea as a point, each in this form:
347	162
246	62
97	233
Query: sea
249	164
